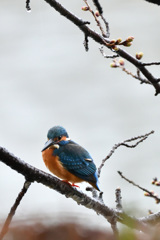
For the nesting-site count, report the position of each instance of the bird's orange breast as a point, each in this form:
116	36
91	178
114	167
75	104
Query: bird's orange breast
55	166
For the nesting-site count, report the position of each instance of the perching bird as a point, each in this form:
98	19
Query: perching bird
68	160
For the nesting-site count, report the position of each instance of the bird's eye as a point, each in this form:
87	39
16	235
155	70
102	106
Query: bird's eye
59	138
56	139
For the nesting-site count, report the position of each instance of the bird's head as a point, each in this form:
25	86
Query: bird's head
55	135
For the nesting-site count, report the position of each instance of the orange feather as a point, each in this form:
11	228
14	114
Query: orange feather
55	166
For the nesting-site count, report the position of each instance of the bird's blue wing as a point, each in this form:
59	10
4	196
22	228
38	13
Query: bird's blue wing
77	161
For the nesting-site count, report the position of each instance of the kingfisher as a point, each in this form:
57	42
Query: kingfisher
68	160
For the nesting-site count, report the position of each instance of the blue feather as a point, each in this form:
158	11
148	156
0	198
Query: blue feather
72	157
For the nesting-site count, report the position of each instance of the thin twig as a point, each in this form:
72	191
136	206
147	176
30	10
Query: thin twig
149	193
106	25
124	143
28	5
118	199
107	56
138	77
142	80
119	209
138	73
98	6
93	191
13	209
115	229
151	64
100	10
96	19
105	41
141	136
95	194
86	42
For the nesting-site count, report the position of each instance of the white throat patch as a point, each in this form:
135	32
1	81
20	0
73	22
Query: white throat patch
56	146
67	139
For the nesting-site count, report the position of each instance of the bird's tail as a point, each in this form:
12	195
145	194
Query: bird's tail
95	185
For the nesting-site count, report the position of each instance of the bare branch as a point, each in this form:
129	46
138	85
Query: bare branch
142	80
134	184
147	192
151	64
28	5
13	209
114	228
105	41
98	6
97	195
33	174
86	43
124	143
100	10
142	69
106	25
118	199
107	56
141	136
95	17
151	219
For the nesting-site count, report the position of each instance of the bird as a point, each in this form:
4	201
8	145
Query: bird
68	160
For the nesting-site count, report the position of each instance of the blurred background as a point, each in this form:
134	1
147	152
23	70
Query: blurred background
47	78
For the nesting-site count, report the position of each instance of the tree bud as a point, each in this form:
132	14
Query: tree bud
113	65
119	40
121	61
157	183
85	8
146	194
127	44
97	13
115	48
130	39
139	55
112	42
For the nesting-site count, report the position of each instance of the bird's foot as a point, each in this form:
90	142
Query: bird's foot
73	185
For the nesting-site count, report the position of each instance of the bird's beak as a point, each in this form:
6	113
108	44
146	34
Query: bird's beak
49	143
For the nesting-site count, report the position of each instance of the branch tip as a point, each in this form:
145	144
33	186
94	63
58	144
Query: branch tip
28	5
147	193
118	199
124	143
98	6
86	41
14	208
